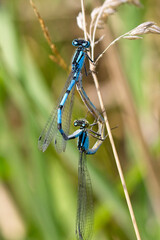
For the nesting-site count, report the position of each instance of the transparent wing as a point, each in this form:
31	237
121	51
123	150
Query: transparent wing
84	221
50	130
60	143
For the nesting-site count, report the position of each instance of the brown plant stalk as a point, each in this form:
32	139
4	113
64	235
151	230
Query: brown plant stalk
116	157
56	57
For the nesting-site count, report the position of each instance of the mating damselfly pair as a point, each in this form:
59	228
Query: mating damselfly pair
57	129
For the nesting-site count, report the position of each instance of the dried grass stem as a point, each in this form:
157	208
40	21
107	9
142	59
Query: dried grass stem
116	157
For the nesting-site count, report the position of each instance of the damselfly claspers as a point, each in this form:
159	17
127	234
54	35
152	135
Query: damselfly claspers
58	124
84	221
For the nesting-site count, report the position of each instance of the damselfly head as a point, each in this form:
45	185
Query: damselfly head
81	42
82	123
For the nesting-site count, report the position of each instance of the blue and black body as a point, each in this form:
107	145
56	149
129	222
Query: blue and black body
83	136
85	216
77	64
58	124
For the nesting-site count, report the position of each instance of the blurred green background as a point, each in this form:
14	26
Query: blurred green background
38	190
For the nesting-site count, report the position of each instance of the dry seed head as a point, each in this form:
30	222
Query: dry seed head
132	37
80	21
144	28
155	29
108	8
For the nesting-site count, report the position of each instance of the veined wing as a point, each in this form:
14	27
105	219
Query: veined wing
60	143
50	130
84	221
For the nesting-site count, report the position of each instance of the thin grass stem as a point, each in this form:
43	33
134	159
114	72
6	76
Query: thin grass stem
84	20
112	43
94	30
116	157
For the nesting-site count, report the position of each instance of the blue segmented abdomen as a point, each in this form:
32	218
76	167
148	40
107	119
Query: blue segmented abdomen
64	98
59	113
50	130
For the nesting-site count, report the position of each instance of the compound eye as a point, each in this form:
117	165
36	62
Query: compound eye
75	42
75	124
86	44
83	124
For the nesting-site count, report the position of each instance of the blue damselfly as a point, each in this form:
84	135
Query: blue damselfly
85	216
58	124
